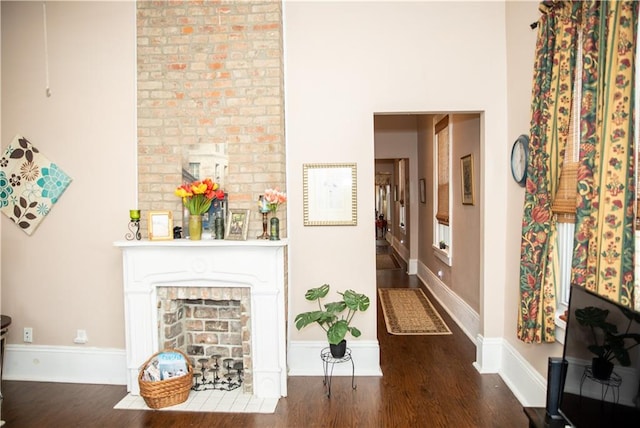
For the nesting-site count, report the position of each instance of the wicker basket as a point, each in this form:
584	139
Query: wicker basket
168	392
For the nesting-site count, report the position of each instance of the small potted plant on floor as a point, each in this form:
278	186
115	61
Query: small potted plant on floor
331	317
608	344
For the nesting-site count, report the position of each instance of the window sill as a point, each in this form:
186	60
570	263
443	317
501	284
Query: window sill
443	255
561	327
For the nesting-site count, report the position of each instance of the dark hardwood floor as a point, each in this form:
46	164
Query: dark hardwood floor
428	381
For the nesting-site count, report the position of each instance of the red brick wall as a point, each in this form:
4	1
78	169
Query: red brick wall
210	72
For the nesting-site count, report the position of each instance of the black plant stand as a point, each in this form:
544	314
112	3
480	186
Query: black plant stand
328	359
613	384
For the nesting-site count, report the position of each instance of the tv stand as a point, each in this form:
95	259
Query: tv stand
538	418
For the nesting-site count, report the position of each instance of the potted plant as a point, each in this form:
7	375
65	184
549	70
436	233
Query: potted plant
608	344
331	317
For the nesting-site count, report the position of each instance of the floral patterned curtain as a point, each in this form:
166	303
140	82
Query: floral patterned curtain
604	241
550	107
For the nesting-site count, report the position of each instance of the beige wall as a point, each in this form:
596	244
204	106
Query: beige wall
378	57
465	219
67	275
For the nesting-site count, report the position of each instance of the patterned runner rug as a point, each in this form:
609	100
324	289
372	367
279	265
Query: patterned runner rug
408	311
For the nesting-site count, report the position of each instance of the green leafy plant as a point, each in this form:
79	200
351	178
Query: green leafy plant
608	344
330	316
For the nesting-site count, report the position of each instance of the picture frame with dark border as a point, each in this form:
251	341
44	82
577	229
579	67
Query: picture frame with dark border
466	172
160	225
237	225
423	191
330	194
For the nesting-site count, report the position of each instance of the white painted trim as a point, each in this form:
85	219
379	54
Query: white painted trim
65	364
488	354
463	315
412	267
304	358
400	249
529	386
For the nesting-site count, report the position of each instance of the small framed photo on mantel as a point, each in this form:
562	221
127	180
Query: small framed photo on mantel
160	225
237	225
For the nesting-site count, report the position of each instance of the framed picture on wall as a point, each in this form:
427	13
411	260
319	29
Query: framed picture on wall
466	170
423	191
160	224
330	194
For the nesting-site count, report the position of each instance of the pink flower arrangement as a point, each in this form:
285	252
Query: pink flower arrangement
273	198
197	196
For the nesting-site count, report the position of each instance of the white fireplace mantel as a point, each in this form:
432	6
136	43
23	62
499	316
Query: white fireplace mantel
256	264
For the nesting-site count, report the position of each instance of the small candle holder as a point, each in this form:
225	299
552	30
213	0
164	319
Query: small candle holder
263	207
134	226
214	375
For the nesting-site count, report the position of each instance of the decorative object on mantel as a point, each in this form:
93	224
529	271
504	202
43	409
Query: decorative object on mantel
196	197
336	328
263	208
30	184
134	226
238	225
273	198
160	225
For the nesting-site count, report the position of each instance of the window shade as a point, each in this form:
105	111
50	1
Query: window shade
565	200
442	136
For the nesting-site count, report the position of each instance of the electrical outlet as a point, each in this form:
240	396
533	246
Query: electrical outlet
81	337
28	335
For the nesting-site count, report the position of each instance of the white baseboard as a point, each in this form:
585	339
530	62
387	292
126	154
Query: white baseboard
65	364
304	358
412	267
529	386
463	315
488	354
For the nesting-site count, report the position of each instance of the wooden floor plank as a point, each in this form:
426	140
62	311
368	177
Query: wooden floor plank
428	381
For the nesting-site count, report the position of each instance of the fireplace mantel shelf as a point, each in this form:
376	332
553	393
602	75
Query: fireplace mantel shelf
203	243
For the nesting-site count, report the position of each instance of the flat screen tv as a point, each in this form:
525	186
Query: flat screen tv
595	400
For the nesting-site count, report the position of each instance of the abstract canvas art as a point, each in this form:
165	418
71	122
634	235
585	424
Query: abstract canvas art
30	184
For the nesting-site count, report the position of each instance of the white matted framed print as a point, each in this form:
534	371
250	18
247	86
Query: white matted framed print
237	225
160	224
330	194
